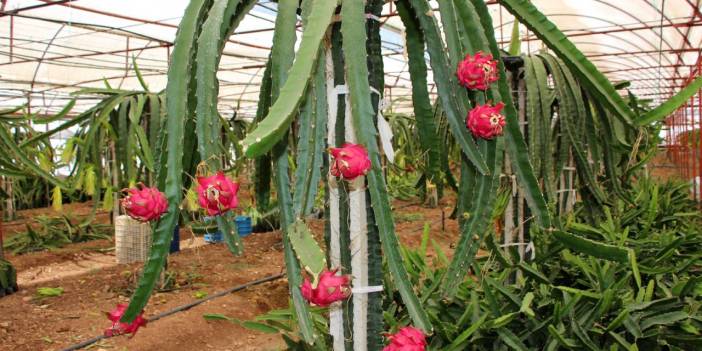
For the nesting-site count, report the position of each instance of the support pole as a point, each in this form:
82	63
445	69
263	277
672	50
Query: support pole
336	326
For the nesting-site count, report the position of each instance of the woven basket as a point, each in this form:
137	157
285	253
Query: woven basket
132	240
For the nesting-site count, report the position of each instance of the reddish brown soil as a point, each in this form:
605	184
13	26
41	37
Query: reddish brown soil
27	323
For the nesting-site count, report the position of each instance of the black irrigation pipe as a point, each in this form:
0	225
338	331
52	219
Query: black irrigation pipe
183	308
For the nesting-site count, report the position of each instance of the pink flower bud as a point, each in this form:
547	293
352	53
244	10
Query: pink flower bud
350	161
119	328
144	204
330	288
477	72
486	121
407	339
217	193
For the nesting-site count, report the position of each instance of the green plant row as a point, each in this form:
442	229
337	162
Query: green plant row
580	296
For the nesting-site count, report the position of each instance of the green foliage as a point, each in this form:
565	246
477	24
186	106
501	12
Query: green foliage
571	109
48	233
172	155
353	31
286	90
426	126
15	152
595	81
577	288
49	292
402	185
308	251
262	164
8	277
672	104
284	322
563	298
272	128
121	128
446	82
311	141
514	139
476	23
515	42
564	120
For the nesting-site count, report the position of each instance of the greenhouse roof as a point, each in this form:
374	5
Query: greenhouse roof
52	48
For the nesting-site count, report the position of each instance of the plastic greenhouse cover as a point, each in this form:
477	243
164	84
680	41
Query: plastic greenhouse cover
51	51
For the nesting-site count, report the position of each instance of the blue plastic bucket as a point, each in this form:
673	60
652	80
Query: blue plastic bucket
214	237
243	225
175	241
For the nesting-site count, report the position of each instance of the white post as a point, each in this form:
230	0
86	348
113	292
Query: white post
358	231
336	313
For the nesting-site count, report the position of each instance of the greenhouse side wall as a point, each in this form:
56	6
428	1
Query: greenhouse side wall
683	141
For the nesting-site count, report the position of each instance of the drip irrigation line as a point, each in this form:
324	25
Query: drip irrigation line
184	308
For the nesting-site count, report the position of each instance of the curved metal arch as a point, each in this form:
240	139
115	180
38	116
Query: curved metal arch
41	60
639	57
662	13
615	24
634	66
687	33
686	41
643	39
611	65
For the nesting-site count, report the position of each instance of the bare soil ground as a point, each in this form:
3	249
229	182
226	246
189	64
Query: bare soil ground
30	323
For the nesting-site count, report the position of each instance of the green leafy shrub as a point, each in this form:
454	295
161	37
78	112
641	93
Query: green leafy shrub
8	278
284	322
562	298
55	232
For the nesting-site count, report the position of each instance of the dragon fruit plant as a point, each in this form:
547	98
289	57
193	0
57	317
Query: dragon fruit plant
330	89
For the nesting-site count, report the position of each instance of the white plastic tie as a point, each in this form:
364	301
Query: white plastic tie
341	89
373	17
384	128
530	249
367	289
385	132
